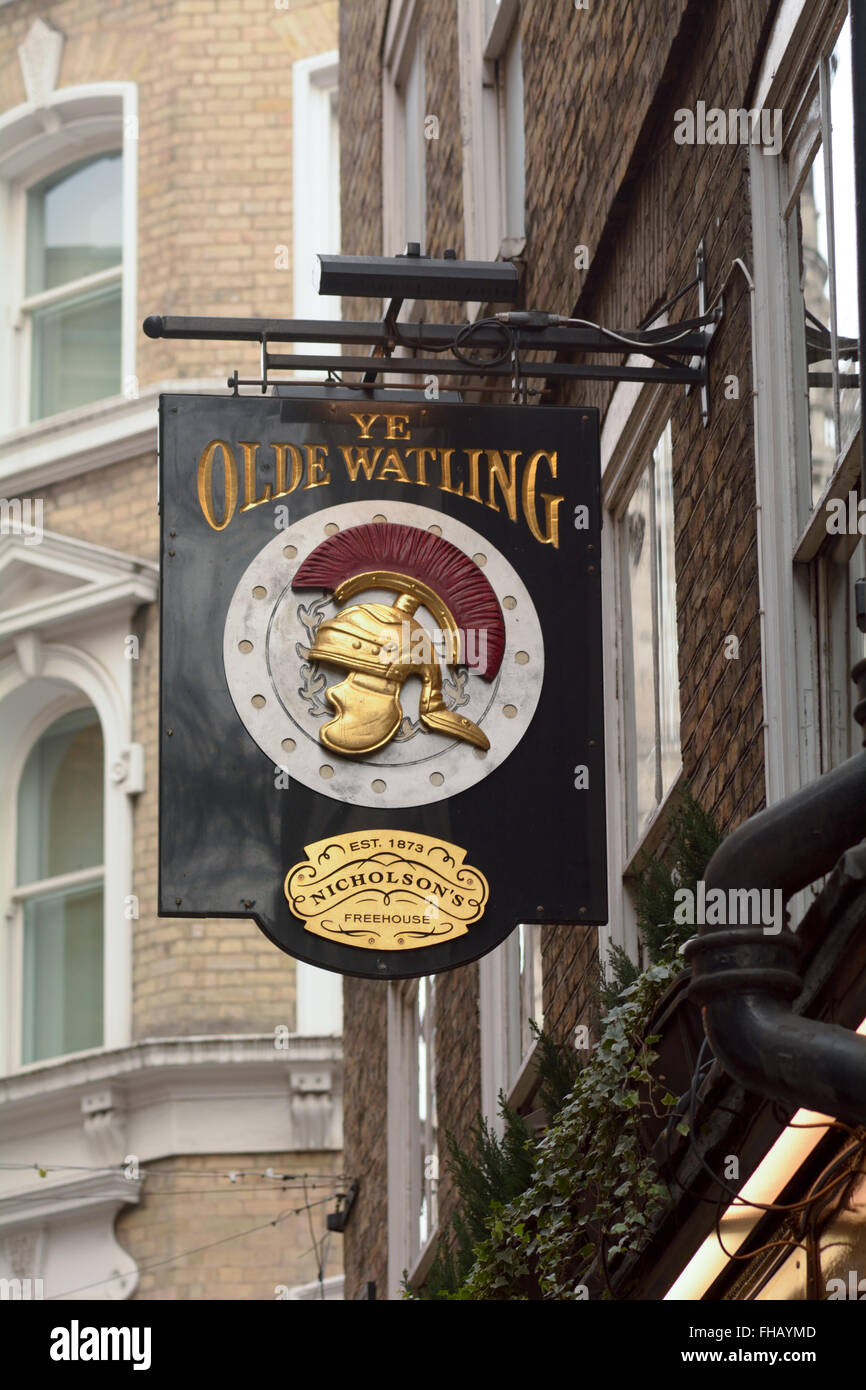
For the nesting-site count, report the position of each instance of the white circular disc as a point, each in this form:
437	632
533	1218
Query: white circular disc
279	694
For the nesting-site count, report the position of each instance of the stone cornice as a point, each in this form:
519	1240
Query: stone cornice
245	1057
92	436
53	1200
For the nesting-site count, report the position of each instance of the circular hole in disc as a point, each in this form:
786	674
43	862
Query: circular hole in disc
326	771
480	559
521	658
290	551
288	745
379	517
437	779
509	711
509	601
260	592
331	529
245	647
378	785
259	701
435	530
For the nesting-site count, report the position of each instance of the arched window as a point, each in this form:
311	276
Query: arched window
72	300
59	890
68	229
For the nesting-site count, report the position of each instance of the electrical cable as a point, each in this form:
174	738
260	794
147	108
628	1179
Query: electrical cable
231	1176
160	1264
737	1199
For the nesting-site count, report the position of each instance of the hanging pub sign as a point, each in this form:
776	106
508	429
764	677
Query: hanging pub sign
381	703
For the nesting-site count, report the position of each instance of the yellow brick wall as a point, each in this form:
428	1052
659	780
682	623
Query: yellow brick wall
188	1202
214	147
214	201
214	167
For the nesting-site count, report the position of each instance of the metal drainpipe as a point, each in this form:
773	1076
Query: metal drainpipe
745	977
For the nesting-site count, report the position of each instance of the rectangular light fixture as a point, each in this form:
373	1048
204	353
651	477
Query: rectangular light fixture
417	277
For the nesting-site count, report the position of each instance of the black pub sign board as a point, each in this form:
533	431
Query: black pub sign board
381	690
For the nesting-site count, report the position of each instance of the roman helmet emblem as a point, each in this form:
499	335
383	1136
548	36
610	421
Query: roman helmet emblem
382	644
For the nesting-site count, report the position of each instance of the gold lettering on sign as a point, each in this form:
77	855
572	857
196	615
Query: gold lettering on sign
421	455
364	422
386	890
396	426
361	460
510	479
393	467
550	534
472	492
205	483
445	457
280	489
507	481
317	468
250	499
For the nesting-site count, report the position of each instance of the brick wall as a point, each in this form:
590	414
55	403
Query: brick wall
603	171
214	154
188	1202
214	147
214	200
365	1037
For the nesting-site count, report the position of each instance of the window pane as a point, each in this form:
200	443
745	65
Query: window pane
415	210
76	352
74	223
639	646
428	1151
531	980
60	800
62	1006
815	289
845	232
515	149
666	589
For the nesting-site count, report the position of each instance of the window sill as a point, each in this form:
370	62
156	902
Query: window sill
91	436
845	479
655	834
526	1081
421	1268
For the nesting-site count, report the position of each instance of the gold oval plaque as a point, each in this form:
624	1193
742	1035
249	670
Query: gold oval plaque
386	890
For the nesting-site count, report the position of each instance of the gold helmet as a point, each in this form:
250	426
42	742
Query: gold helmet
381	645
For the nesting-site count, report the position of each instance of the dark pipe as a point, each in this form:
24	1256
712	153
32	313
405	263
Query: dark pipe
743	975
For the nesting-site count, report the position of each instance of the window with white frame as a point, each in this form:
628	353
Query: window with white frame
502	48
648	618
428	1215
510	1003
68	774
68	226
818	188
413	1148
531	1007
822	246
316	185
492	125
404	143
808	425
71	309
59	889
